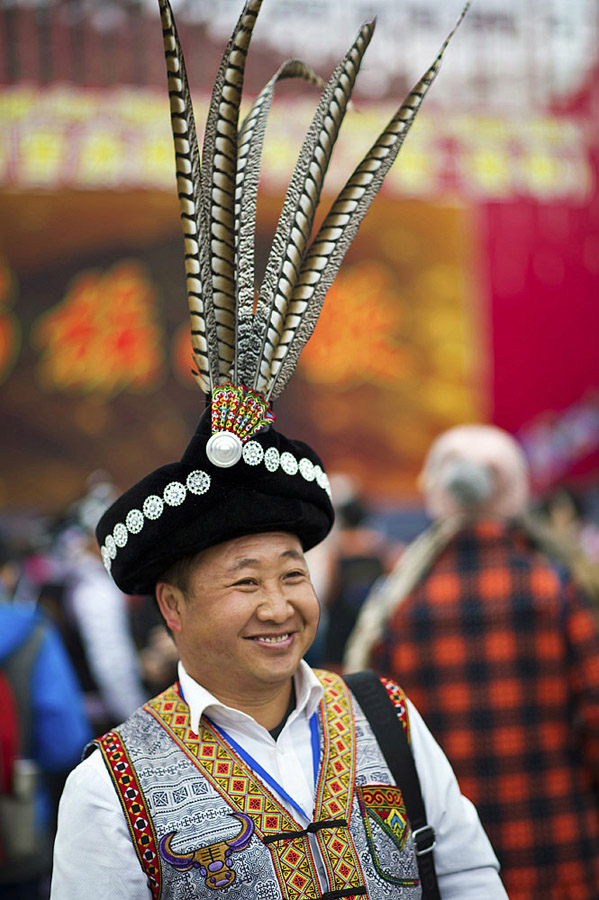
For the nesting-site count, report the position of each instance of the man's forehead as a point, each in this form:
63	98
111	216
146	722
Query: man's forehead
245	562
254	550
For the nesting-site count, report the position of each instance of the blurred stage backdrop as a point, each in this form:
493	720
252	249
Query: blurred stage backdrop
470	293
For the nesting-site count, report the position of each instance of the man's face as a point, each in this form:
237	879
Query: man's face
248	615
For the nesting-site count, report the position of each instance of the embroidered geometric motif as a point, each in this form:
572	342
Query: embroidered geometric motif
384	805
225	771
180	795
335	789
238	786
266	891
398	699
290	861
135	807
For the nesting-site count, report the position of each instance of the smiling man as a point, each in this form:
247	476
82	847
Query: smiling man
254	775
243	617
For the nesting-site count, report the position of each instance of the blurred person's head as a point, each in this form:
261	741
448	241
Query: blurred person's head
71	533
476	470
350	509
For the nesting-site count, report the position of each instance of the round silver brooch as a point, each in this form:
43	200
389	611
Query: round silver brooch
120	534
306	467
134	521
153	506
174	493
271	459
106	559
289	463
224	449
253	453
198	482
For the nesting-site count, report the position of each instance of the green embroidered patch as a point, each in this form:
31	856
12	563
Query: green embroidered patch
384	804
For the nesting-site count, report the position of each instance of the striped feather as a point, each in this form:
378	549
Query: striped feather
251	140
187	160
218	179
297	217
339	229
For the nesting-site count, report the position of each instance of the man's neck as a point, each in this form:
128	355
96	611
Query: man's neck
268	708
275	732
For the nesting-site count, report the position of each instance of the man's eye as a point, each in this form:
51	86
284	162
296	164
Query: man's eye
298	574
244	582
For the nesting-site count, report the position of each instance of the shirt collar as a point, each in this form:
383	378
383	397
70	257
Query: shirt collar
308	691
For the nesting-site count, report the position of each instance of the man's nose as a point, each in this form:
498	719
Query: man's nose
274	605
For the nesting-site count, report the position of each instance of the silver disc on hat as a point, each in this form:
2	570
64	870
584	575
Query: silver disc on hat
224	449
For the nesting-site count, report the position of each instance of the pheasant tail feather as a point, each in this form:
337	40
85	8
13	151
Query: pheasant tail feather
219	173
339	229
297	216
251	140
187	160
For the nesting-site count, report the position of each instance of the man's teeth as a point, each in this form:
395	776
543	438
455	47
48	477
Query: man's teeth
277	639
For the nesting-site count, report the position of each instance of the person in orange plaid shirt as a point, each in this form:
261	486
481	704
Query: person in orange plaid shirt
501	655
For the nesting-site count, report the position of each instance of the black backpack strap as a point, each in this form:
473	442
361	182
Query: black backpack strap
376	704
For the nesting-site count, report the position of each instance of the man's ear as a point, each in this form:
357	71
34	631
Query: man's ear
170	600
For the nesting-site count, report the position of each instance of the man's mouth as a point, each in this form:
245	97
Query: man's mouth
271	638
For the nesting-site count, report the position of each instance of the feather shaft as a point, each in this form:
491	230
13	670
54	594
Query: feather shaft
188	174
219	173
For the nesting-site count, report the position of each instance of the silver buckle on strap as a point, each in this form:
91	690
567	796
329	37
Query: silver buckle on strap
420	836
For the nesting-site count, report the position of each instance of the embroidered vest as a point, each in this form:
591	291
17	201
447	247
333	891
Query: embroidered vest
202	822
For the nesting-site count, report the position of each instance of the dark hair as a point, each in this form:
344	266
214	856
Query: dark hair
179	573
352	513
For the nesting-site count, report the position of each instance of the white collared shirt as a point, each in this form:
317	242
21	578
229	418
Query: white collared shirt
288	759
94	856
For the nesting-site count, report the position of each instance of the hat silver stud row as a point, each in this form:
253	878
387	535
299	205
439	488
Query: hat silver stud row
198	482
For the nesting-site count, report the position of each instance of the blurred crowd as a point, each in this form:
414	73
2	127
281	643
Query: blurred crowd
77	656
368	542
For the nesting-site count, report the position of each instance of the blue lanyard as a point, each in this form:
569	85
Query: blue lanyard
266	776
255	765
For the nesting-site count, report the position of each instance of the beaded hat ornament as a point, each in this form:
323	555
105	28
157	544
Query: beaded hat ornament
238	475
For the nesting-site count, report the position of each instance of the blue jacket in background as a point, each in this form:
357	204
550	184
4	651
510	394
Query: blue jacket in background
60	724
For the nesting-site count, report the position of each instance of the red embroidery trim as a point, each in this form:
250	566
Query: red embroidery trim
135	807
398	699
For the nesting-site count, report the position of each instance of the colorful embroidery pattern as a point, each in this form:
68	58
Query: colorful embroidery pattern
384	805
239	410
134	805
213	860
236	783
238	786
398	699
335	789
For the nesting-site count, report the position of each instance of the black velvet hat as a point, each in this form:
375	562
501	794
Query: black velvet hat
277	484
238	475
